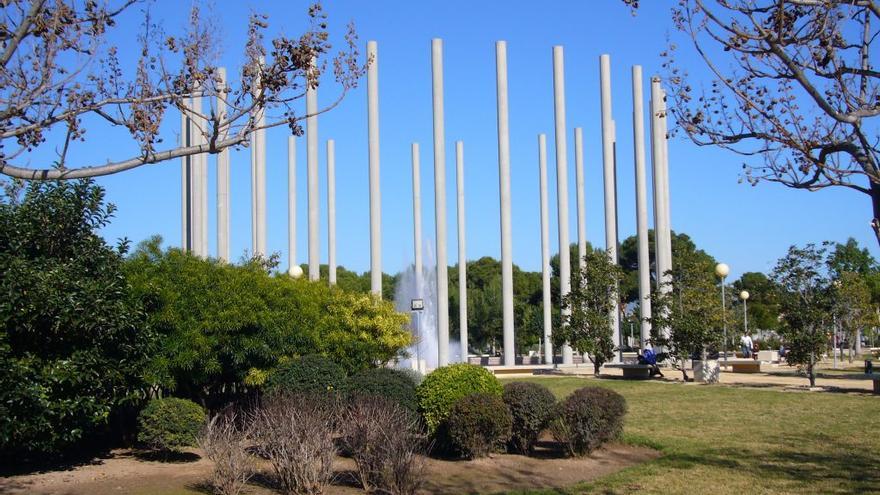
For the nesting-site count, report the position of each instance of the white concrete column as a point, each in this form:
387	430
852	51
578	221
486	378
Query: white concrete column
545	249
312	179
417	217
440	202
293	268
662	233
581	202
203	181
504	187
258	178
641	205
222	173
196	177
462	256
375	195
185	186
562	183
610	182
331	211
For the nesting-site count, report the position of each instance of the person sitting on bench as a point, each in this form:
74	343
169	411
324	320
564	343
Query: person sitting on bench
650	358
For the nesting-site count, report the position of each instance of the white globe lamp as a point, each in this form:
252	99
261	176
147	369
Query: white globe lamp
722	270
295	271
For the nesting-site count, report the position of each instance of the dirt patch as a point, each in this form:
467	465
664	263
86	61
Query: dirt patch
124	472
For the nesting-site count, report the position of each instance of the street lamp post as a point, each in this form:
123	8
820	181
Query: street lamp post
722	270
744	295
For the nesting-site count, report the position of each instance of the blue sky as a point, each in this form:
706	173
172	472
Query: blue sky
744	226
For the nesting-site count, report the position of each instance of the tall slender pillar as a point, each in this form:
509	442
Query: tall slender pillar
504	187
195	136
203	182
258	179
293	270
581	205
312	179
186	190
610	190
375	195
662	231
222	173
462	256
562	183
641	205
417	217
331	212
545	249
440	202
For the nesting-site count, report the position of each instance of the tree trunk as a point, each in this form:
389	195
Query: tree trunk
858	342
596	366
684	372
811	370
849	349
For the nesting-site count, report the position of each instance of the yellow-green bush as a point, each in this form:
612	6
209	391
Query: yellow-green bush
443	387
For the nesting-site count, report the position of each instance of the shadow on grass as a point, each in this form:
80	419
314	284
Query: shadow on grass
36	465
169	457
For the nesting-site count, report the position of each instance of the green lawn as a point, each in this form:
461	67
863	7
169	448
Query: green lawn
726	440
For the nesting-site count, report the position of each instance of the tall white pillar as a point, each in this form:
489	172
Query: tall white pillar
641	205
562	183
662	231
312	179
375	195
440	202
203	183
504	187
417	216
545	249
258	179
608	166
185	186
331	212
222	173
581	201
195	136
462	256
293	269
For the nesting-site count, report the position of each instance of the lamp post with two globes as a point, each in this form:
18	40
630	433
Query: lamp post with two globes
722	270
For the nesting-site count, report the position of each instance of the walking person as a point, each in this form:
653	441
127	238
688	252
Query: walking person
746	344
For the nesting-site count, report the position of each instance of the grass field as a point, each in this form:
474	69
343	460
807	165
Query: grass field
727	440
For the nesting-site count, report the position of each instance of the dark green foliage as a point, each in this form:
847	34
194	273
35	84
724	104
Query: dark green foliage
72	342
171	423
394	385
531	406
226	327
443	387
588	418
478	425
307	374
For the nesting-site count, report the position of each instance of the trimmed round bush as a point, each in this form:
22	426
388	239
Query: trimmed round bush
531	406
588	418
170	423
307	374
387	383
443	387
478	425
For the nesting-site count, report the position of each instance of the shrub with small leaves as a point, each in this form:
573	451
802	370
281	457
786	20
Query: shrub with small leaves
306	375
588	418
170	423
478	425
531	406
387	383
443	387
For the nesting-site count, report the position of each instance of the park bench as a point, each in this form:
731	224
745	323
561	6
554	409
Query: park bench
742	365
633	371
875	377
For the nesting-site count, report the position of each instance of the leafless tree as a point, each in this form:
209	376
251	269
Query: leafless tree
794	89
226	443
59	75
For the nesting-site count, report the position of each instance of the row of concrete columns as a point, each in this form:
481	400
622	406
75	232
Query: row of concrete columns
194	206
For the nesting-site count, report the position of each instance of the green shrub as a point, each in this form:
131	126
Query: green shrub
307	374
588	418
73	343
171	423
531	406
478	425
443	387
392	384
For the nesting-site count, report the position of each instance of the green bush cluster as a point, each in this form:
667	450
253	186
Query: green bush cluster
588	418
170	423
445	386
395	385
531	406
478	425
307	374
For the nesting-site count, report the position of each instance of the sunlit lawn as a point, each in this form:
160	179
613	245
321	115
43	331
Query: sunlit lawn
727	440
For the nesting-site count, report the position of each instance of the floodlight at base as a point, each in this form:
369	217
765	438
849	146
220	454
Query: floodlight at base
295	271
